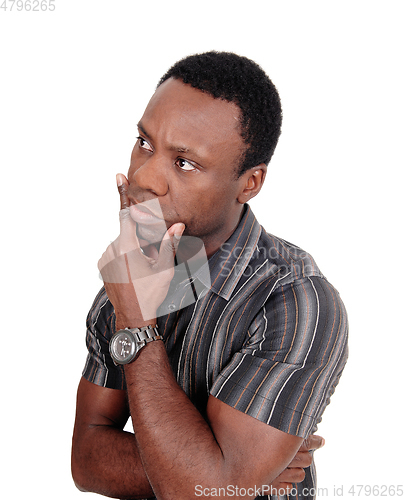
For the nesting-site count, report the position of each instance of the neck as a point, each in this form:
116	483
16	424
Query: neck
214	244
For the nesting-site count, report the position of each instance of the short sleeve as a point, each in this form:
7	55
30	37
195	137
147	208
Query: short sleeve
293	357
100	368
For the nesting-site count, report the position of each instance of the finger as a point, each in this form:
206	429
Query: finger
128	239
115	271
169	245
312	442
292	475
302	459
122	184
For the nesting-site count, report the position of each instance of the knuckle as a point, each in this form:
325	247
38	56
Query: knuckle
114	249
306	459
124	214
169	248
307	443
303	458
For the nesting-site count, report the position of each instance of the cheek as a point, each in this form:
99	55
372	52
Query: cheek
204	200
191	200
203	214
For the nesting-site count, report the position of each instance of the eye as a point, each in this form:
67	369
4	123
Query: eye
144	144
185	165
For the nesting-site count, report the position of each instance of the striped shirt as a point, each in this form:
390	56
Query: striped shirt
268	337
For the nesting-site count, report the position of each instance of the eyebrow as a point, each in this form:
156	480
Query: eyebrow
142	129
171	147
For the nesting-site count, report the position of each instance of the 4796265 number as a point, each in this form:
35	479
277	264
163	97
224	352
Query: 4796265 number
376	490
28	5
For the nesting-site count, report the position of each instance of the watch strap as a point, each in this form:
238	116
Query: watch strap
145	334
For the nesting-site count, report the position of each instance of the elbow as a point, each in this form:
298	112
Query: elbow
77	477
80	487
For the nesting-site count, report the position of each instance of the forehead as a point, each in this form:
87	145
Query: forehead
179	114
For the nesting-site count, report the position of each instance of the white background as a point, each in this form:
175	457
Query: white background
74	83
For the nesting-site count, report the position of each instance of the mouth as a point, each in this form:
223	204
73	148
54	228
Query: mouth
148	212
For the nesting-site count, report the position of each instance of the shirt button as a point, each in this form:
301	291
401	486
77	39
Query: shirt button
171	307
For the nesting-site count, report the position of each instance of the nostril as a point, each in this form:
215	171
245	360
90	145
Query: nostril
151	177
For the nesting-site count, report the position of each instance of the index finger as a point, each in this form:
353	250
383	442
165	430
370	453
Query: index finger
122	184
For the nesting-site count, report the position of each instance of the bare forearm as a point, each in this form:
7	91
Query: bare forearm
177	447
107	462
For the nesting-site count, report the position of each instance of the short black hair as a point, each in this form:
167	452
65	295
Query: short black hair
237	79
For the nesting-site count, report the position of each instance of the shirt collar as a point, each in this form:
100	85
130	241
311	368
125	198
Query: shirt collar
228	264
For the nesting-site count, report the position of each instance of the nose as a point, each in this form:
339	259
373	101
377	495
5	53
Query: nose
150	176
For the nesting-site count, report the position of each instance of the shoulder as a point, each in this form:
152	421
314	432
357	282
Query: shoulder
300	284
294	289
290	261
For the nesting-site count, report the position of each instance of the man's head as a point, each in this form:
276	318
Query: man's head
187	161
237	79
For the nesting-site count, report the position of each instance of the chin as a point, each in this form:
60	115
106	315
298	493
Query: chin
150	234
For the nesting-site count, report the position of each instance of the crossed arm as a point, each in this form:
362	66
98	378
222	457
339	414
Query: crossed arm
174	449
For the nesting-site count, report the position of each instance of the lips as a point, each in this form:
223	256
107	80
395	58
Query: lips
146	212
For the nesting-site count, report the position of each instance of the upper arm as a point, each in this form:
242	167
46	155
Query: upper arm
255	452
288	368
273	391
97	406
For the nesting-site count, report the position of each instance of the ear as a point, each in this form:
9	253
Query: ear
252	182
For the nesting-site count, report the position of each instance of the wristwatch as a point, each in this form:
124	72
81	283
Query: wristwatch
125	344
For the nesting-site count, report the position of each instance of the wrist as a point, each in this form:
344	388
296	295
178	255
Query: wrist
122	322
151	352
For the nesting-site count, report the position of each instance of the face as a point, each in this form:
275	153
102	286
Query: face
183	166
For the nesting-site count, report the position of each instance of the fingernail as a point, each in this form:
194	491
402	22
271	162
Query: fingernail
322	442
119	180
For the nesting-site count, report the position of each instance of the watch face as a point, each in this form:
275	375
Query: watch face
123	347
